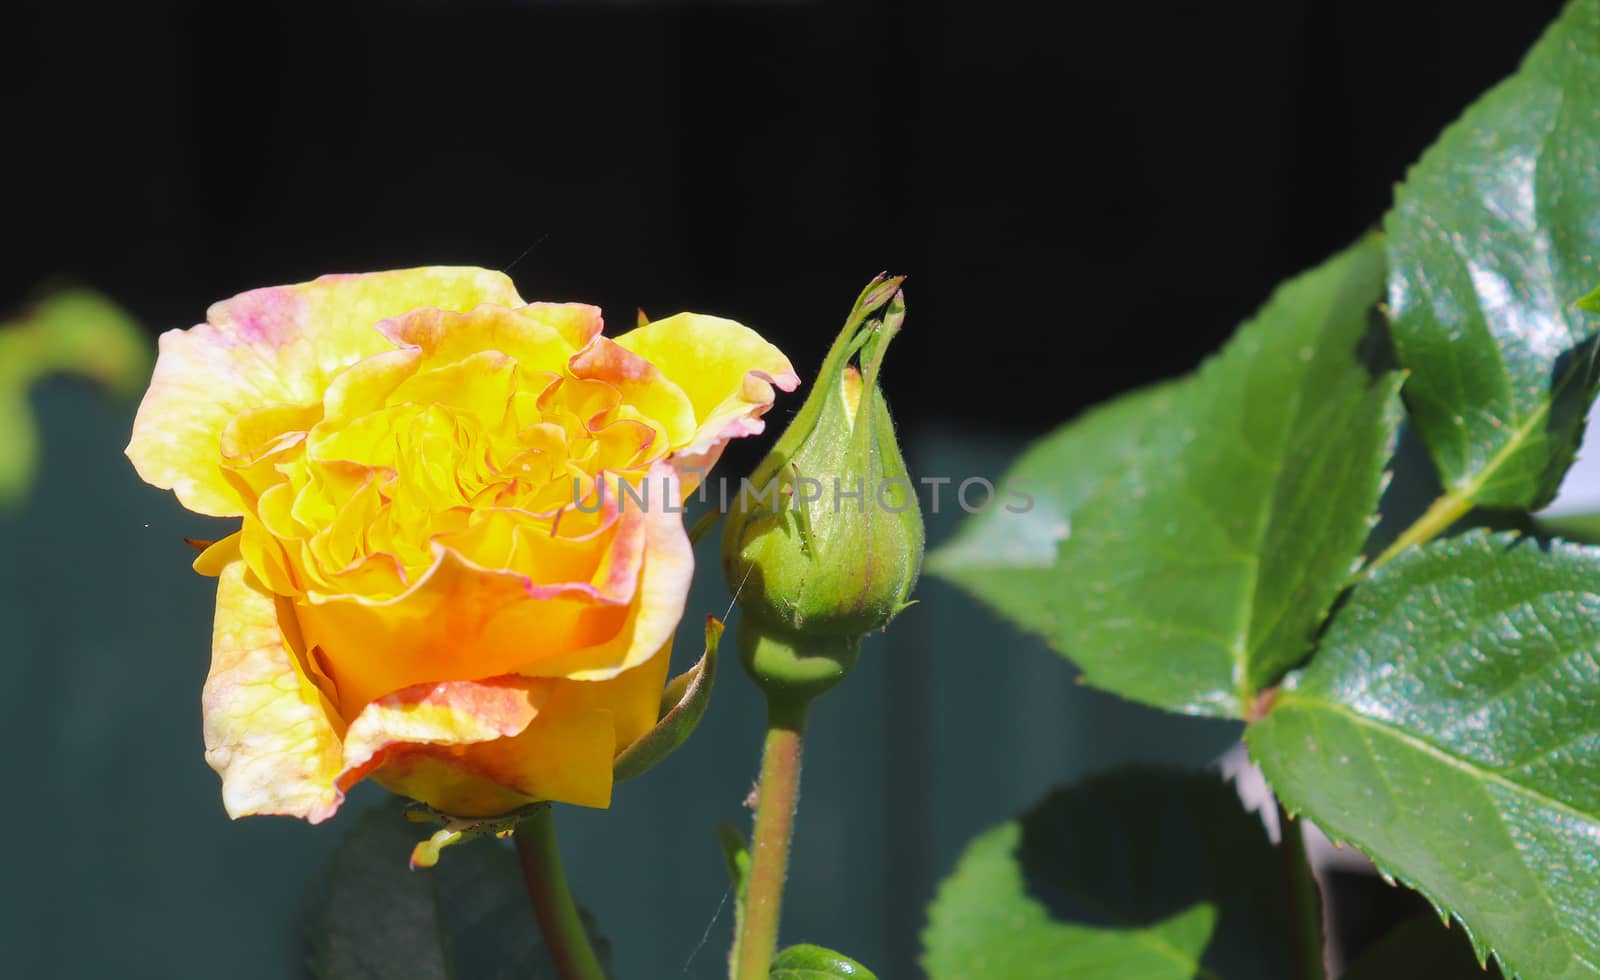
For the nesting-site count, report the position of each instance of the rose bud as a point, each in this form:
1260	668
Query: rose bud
824	542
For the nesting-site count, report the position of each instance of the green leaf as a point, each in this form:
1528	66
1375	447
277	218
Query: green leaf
1191	572
683	704
1009	559
736	855
469	918
1420	948
1159	875
808	962
1448	728
1492	240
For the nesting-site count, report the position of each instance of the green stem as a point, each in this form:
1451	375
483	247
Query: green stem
553	906
1305	900
777	794
1434	521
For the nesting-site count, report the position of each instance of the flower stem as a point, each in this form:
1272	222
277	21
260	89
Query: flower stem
777	794
546	882
1434	521
1305	899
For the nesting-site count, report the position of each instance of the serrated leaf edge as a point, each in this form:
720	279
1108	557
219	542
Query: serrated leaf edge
1481	950
1512	541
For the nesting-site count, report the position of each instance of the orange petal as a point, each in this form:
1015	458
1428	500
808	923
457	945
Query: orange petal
462	621
275	346
659	599
459	622
455	713
519	542
268	731
565	754
633	697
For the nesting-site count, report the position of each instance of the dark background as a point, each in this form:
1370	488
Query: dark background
1086	197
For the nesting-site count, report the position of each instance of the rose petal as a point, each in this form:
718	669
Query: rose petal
540	336
727	371
641	385
215	557
564	754
578	322
462	621
267	727
255	441
633	697
276	346
518	542
479	384
366	387
454	713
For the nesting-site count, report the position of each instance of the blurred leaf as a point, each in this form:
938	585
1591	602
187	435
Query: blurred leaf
808	962
73	332
19	439
1160	875
377	918
1204	528
1492	241
1448	728
469	918
80	332
1420	948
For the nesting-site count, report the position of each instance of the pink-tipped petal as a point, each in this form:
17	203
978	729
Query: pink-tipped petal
270	347
268	732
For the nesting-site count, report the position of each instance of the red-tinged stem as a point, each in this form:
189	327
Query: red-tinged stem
777	795
553	906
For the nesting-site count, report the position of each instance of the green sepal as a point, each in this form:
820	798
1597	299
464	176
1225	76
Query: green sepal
793	667
876	294
459	830
683	704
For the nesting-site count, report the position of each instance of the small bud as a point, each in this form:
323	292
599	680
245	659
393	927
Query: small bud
824	544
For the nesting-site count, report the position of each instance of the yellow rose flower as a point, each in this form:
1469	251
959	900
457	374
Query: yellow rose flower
433	584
